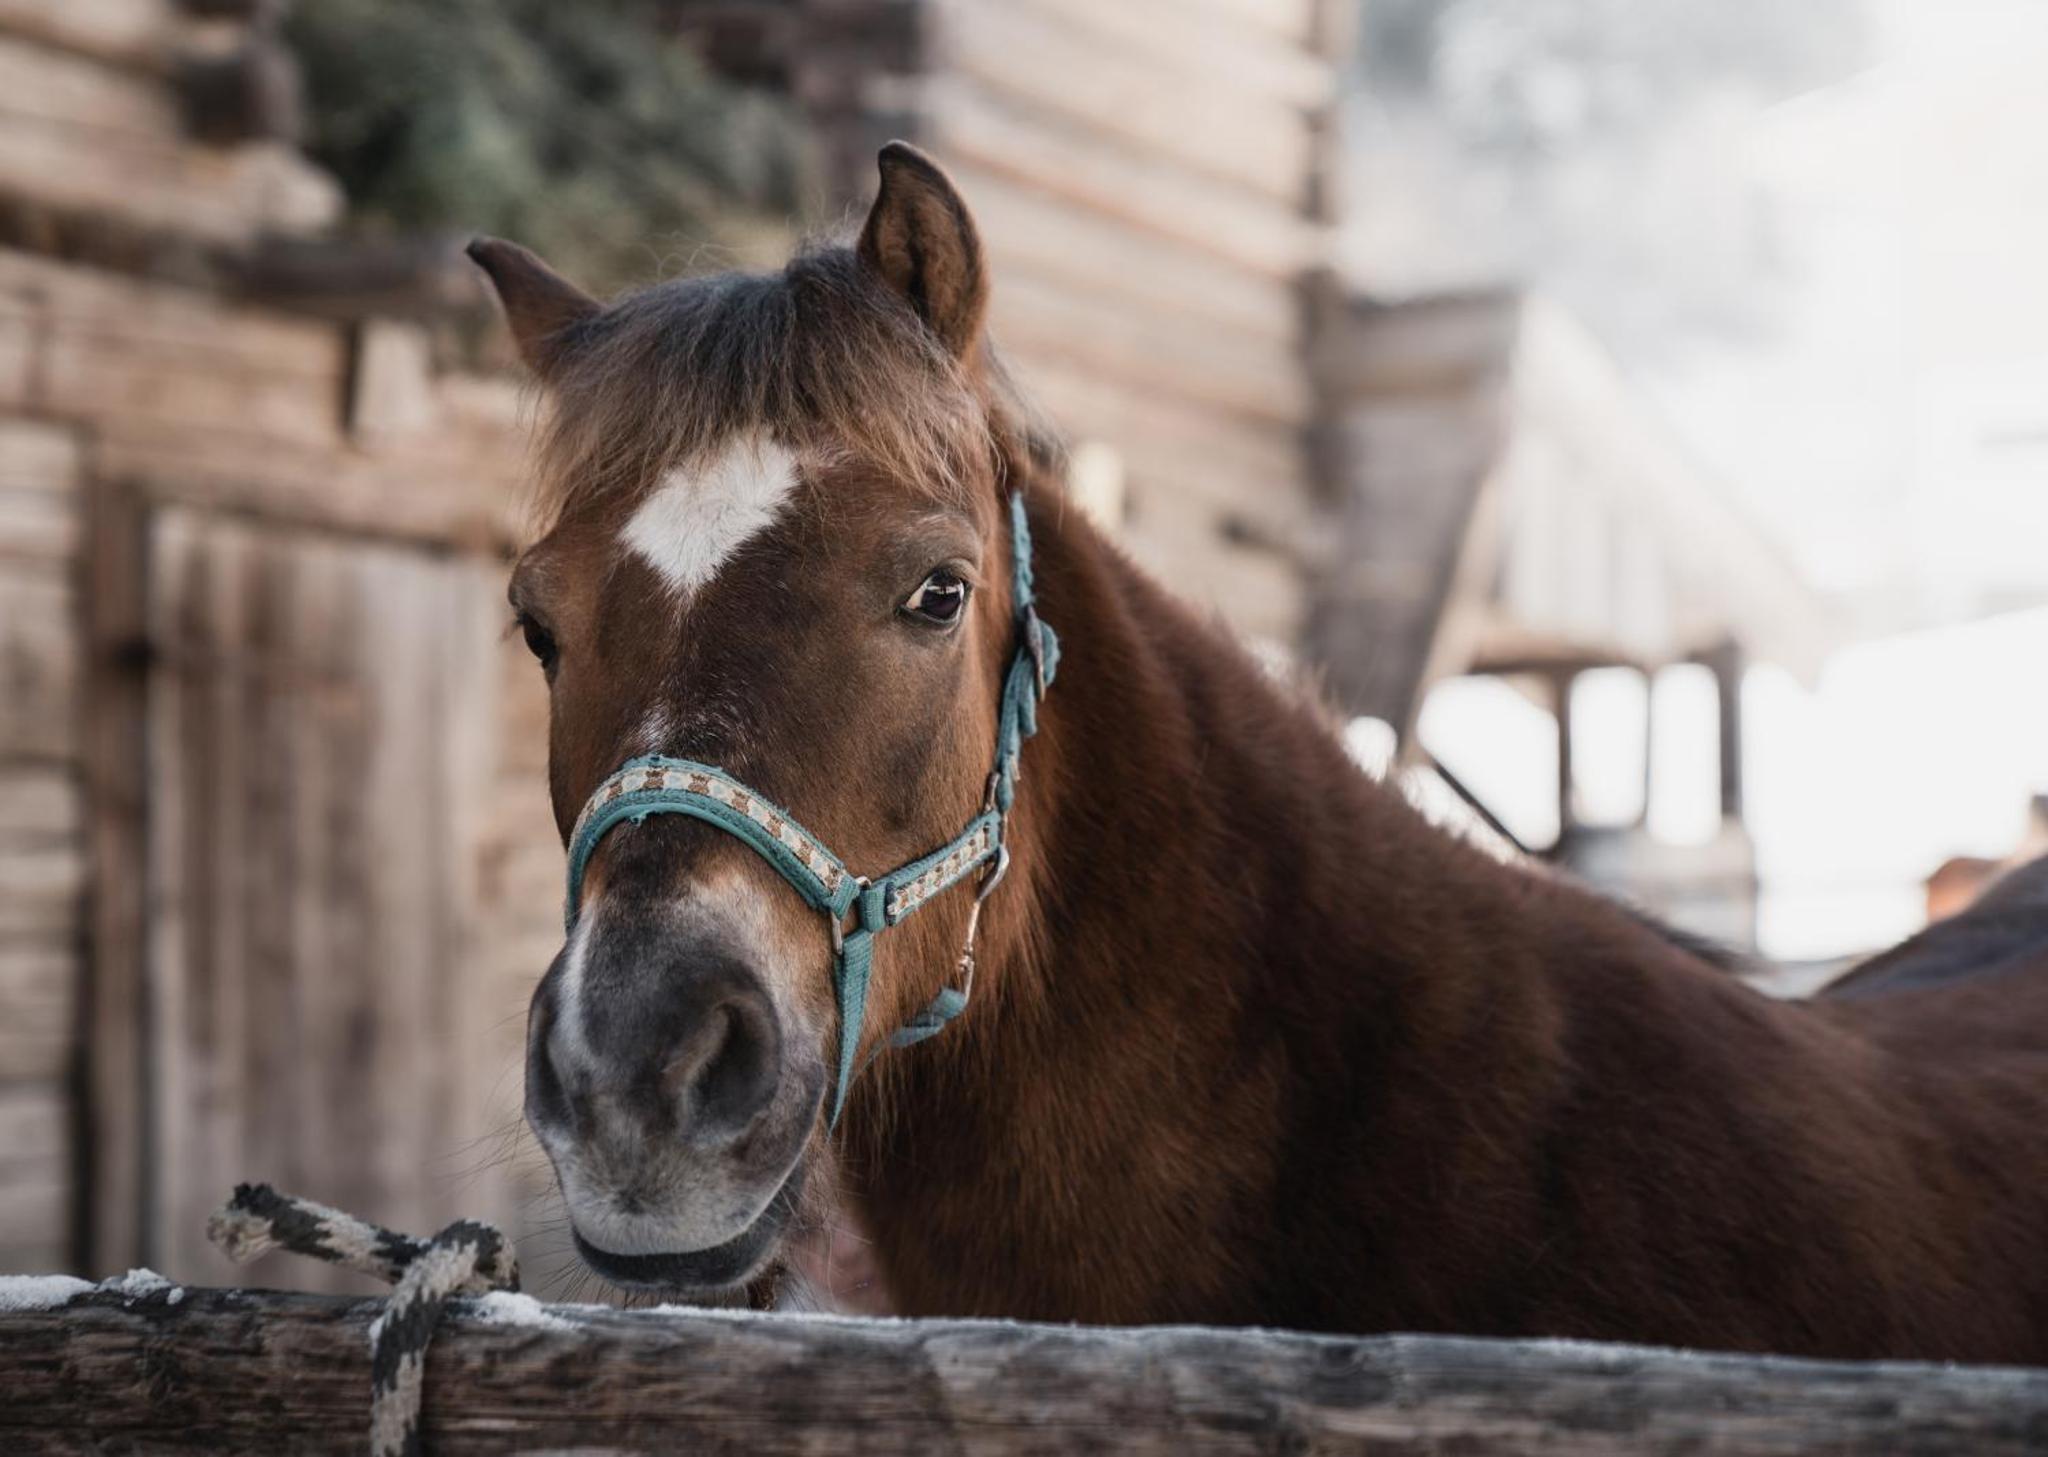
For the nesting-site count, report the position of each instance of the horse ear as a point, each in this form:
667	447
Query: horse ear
539	303
920	240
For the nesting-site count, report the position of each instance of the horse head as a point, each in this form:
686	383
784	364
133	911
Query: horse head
776	549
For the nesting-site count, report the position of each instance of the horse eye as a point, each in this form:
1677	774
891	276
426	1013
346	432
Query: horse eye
938	598
540	642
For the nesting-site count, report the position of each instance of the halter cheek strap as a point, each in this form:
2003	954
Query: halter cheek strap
654	785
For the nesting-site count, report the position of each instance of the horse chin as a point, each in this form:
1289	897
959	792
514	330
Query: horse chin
745	1262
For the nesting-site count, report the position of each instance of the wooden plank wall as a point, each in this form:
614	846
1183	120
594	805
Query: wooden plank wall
333	489
42	818
1145	176
1412	441
268	447
262	438
322	762
90	120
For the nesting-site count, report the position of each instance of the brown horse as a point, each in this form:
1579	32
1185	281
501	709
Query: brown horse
1249	1041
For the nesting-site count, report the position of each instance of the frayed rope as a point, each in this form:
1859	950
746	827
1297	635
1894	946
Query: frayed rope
469	1257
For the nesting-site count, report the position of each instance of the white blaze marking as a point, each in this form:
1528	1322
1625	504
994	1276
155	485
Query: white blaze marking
695	519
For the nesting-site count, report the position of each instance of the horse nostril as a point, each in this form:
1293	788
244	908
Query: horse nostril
724	1071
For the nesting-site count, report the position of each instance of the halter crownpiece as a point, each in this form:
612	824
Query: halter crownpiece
654	784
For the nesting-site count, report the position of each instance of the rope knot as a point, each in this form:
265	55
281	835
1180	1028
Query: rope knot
469	1257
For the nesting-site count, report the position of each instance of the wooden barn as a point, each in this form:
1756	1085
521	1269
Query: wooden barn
1503	504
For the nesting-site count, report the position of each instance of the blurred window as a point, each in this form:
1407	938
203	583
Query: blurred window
1685	777
1610	722
1502	746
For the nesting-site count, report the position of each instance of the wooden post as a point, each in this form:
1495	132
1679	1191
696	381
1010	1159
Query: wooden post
116	1163
1726	663
1649	677
140	1365
1561	683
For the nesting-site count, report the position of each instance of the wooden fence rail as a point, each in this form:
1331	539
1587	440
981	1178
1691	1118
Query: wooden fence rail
147	1367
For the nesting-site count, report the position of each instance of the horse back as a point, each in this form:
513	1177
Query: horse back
2002	939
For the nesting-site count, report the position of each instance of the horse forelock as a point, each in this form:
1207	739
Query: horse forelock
819	358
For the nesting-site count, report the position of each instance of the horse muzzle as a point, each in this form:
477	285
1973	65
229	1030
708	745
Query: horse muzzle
672	1098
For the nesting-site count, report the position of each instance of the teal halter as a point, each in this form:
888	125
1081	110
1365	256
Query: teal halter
653	785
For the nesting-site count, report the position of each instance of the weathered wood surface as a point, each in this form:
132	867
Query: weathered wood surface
1136	98
1216	47
123	400
38	661
219	1370
42	883
1002	136
408	277
138	33
316	937
38	1010
1031	231
114	754
1293	20
1413	441
1119	342
90	133
241	409
35	1185
40	470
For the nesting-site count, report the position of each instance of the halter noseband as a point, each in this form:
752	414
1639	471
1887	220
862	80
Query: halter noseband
653	785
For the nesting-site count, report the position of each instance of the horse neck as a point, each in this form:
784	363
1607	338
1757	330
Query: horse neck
1212	914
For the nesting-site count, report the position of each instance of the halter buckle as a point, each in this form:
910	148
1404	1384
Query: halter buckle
838	923
995	874
964	968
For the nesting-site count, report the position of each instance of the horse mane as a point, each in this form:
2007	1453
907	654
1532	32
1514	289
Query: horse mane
1027	441
820	355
